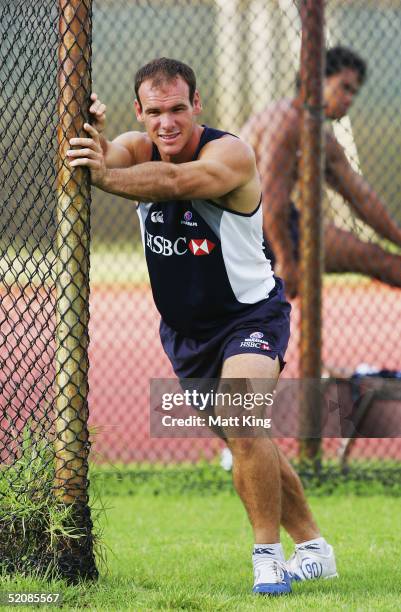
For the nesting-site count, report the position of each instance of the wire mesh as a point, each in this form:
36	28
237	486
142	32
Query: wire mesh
45	521
246	57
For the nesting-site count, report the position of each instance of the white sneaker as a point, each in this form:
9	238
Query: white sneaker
308	564
271	577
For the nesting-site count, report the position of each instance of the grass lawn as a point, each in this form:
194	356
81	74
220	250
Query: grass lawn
175	552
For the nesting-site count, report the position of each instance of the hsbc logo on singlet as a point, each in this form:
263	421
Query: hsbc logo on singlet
163	246
201	246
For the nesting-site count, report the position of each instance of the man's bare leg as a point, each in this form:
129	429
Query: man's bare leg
256	467
296	516
274	471
256	471
344	252
271	490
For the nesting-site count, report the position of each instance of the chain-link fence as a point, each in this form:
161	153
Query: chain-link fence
45	521
246	57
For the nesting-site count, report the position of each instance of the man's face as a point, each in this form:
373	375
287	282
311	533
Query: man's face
339	91
167	113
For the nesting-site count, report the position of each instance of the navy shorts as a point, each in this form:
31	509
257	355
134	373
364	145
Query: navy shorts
293	226
265	331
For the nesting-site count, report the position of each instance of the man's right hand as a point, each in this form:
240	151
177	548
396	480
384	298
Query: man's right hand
98	113
289	272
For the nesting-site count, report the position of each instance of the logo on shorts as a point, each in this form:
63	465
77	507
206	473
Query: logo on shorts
188	215
255	341
157	216
201	246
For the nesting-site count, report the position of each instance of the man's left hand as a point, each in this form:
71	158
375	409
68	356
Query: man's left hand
90	155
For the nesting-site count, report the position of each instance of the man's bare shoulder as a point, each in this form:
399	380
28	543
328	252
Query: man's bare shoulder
232	151
228	145
280	117
238	158
138	144
282	109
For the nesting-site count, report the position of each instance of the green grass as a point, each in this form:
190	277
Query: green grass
175	552
34	524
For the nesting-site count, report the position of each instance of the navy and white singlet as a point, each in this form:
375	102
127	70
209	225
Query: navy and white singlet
210	277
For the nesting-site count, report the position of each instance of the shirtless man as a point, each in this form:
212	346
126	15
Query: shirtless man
274	134
223	312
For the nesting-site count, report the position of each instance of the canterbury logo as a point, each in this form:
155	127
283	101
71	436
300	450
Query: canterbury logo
157	216
201	247
263	551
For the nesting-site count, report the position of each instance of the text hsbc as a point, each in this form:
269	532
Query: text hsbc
164	246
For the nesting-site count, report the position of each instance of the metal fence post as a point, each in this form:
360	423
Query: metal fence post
72	439
311	266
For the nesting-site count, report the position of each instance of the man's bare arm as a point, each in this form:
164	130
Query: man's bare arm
118	153
224	166
277	166
357	191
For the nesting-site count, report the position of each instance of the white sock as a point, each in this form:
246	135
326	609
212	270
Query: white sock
318	545
268	551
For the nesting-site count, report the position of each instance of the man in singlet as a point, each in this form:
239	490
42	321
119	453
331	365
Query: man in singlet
223	313
274	135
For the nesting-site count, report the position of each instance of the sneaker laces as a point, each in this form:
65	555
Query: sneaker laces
269	571
295	559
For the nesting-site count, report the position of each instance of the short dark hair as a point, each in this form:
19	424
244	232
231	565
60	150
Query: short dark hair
338	58
165	69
